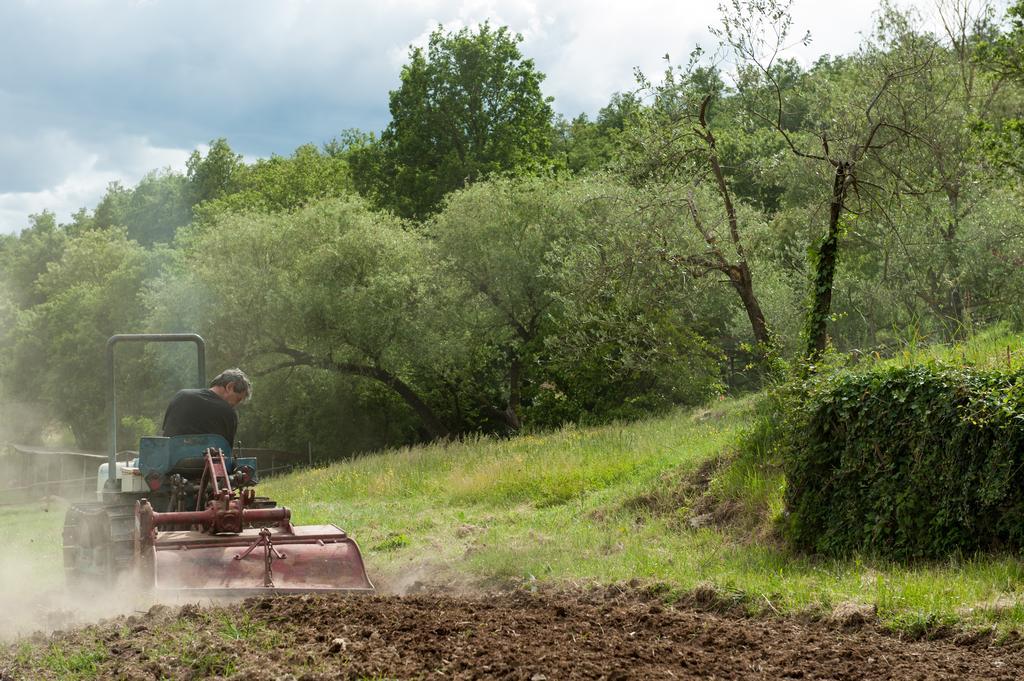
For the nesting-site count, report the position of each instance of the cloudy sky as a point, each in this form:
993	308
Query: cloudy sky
93	91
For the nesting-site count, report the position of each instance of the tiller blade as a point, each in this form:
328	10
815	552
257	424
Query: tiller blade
258	561
224	555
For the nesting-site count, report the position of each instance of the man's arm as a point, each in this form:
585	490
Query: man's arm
232	428
167	413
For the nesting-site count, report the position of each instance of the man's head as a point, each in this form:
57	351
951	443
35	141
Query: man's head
233	386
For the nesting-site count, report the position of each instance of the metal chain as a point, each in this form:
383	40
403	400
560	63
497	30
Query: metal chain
268	558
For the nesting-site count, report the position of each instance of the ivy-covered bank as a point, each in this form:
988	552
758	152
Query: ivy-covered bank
906	462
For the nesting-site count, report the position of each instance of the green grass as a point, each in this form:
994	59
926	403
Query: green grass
77	662
210	642
233	628
33	533
993	348
417	502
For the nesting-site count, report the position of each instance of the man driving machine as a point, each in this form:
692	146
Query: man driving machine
209	410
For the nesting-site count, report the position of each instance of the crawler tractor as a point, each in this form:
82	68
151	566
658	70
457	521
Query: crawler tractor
181	516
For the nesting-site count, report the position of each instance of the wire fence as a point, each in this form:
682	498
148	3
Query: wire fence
29	473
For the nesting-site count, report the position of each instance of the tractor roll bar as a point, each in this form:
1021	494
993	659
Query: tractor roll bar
144	338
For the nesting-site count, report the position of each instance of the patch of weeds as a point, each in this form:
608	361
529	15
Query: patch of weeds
24	654
182	637
678	490
74	664
187	627
233	629
556	497
1005	635
392	542
716	598
920	625
212	663
424	524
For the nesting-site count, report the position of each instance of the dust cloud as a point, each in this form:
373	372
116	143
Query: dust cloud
425	577
20	422
35	600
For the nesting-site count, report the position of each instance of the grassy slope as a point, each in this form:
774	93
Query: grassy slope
537	505
994	348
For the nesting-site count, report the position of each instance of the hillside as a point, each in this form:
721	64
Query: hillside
664	500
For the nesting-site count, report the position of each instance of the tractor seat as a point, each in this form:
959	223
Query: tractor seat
181	454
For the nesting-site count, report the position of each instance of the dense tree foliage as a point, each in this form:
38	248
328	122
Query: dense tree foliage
280	183
482	265
468	106
212	176
92	291
334	287
582	145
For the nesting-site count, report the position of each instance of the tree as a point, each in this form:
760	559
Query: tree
22	420
569	312
941	172
92	292
331	287
152	211
583	145
468	106
364	155
869	122
158	207
112	210
212	176
674	143
494	237
26	257
630	333
284	183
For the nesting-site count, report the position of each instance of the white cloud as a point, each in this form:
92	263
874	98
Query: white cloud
109	89
591	54
84	175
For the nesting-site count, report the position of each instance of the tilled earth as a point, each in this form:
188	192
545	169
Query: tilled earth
607	633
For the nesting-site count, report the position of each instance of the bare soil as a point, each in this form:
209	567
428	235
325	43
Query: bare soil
607	633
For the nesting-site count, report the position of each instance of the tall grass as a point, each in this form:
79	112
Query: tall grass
996	347
423	493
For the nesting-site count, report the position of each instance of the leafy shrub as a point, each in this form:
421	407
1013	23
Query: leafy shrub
905	462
